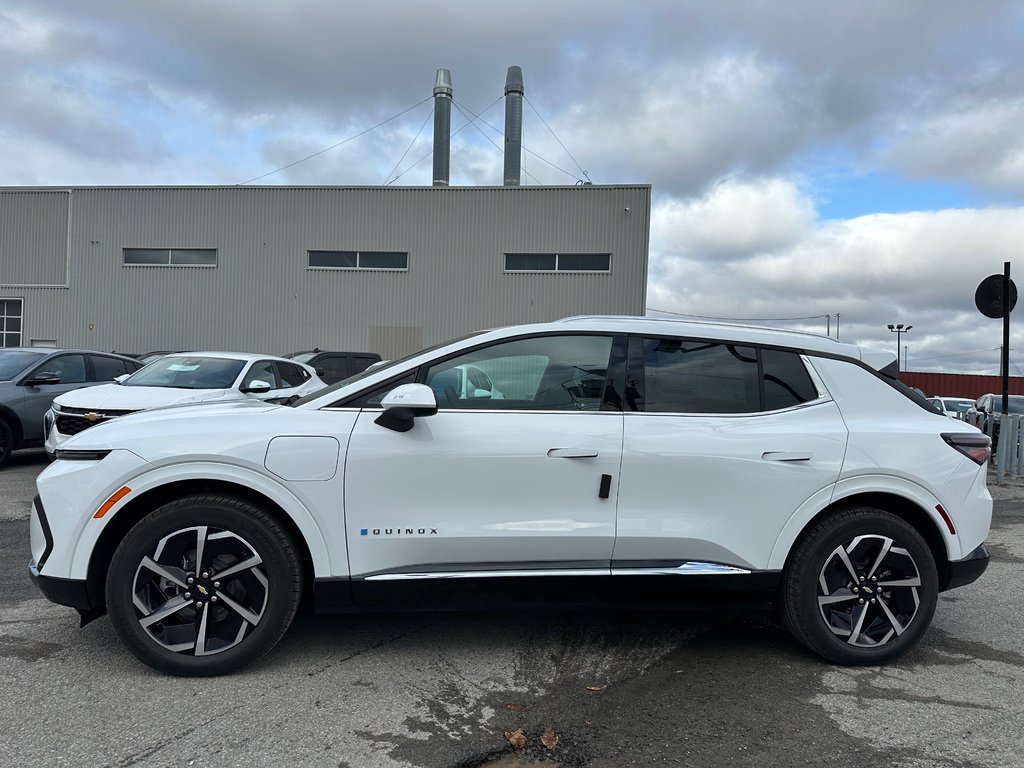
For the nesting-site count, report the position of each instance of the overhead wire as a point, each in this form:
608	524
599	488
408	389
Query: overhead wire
409	148
472	122
335	146
525	148
428	154
538	114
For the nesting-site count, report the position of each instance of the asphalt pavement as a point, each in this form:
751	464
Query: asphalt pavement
615	689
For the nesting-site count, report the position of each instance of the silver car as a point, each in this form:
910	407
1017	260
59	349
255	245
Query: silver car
31	377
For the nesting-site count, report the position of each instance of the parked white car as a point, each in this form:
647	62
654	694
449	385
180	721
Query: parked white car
178	379
627	460
951	406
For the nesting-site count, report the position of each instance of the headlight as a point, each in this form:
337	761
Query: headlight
64	454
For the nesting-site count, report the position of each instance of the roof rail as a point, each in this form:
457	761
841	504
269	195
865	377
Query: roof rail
683	320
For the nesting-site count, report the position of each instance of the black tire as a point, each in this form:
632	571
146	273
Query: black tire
6	442
231	620
859	607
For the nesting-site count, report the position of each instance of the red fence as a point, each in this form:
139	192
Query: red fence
960	384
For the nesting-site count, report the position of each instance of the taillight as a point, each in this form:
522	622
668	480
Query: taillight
977	448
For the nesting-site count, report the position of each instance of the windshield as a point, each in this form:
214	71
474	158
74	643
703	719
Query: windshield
183	372
1015	404
14	361
374	370
959	406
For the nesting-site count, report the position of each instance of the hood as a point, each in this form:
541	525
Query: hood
116	397
204	431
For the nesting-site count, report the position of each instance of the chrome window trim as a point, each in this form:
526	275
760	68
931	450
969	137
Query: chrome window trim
676	414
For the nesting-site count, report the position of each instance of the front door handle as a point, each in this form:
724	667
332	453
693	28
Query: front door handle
785	456
573	453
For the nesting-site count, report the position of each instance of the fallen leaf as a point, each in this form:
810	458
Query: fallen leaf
517	707
517	738
596	688
550	738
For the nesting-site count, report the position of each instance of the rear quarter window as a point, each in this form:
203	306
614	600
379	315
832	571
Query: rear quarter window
786	380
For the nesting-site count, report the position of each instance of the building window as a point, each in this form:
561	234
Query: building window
558	262
10	322
358	260
170	257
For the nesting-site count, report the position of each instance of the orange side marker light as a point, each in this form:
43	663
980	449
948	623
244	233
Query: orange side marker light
109	503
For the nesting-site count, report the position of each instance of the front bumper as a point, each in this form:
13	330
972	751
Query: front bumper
71	592
968	570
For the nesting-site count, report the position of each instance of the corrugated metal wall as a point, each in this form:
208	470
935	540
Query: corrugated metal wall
34	237
261	296
959	384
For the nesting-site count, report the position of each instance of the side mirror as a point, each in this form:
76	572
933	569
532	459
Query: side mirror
403	404
43	378
122	377
255	387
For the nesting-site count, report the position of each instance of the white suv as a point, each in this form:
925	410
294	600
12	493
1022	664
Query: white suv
627	460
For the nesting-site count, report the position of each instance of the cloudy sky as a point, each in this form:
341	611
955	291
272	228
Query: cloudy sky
808	158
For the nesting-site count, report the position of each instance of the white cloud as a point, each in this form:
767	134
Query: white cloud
22	33
736	219
979	142
918	268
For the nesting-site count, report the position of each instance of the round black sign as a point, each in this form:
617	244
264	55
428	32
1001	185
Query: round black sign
989	296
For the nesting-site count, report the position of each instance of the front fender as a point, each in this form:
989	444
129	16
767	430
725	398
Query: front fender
854	486
156	477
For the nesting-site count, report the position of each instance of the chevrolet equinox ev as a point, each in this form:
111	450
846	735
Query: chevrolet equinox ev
630	461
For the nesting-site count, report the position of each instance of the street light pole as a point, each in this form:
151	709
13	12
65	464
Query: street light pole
899	329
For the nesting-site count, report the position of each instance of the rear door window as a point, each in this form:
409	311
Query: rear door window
683	376
106	368
695	376
291	375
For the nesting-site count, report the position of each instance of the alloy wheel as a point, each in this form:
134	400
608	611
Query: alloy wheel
868	590
201	591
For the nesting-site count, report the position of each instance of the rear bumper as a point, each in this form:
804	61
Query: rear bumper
965	571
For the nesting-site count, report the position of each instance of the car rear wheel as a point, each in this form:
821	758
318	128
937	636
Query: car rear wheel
860	588
204	585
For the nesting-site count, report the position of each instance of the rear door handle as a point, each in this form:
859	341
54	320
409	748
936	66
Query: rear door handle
572	453
785	456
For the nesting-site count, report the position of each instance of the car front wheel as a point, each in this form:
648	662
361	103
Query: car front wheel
860	587
204	585
6	442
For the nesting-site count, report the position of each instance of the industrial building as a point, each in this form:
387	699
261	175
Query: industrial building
281	268
277	269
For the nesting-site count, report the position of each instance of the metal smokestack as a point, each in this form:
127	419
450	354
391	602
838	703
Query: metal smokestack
442	126
513	125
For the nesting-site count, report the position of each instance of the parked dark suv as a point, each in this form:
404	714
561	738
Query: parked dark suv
988	407
31	377
335	365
